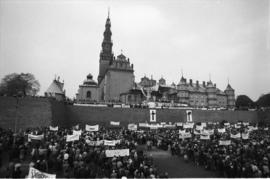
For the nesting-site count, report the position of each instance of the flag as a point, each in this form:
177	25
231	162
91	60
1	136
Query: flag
34	173
93	128
113	123
72	137
53	128
153	115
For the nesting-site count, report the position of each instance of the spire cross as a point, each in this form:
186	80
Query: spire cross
108	12
209	76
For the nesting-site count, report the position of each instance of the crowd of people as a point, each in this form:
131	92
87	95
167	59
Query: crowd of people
79	159
239	156
248	157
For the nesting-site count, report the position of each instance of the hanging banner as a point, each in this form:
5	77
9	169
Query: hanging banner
153	115
113	123
132	127
91	128
236	136
77	132
245	136
73	137
184	135
205	137
35	137
117	153
223	130
225	142
34	173
53	128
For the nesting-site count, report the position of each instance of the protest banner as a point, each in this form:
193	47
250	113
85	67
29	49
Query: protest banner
205	137
225	142
93	128
53	128
111	142
143	124
132	127
72	137
197	132
203	124
35	137
237	126
113	123
188	125
245	123
182	131
179	124
245	136
117	153
226	124
34	173
208	132
236	136
77	132
199	128
184	135
222	130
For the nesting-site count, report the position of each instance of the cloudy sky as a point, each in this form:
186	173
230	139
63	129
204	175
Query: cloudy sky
224	38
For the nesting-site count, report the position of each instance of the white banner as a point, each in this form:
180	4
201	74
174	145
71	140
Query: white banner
73	137
182	131
226	124
266	129
35	137
205	137
179	124
113	123
34	173
225	142
197	132
245	136
199	128
236	136
184	135
251	128
92	128
222	130
53	128
154	126
153	115
132	127
119	152
203	124
94	143
188	125
208	132
245	123
237	126
77	132
111	142
143	124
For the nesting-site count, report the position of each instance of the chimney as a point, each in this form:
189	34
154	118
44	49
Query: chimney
203	83
190	82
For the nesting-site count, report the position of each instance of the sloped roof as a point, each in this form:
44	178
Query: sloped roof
55	87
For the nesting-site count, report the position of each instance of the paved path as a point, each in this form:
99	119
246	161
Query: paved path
177	167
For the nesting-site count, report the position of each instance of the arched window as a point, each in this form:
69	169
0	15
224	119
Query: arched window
88	94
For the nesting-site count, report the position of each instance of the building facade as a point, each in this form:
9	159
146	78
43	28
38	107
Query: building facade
88	92
116	75
56	90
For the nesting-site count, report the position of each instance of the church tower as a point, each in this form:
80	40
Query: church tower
106	55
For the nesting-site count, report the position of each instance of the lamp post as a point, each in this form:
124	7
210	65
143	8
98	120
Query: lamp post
15	120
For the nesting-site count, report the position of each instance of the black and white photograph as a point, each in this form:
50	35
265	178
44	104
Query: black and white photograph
134	89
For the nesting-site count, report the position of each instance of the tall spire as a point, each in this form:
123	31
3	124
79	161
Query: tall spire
109	12
182	72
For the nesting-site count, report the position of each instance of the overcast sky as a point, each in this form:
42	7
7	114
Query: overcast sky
224	38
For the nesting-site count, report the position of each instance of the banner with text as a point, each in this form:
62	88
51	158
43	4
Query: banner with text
91	128
117	153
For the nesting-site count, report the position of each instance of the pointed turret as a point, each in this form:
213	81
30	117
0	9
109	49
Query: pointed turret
229	91
106	55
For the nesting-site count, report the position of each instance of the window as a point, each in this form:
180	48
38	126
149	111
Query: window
88	94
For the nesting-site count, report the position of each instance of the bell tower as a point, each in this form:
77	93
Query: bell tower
106	55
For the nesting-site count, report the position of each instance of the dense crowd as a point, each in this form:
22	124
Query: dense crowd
54	155
242	157
247	157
